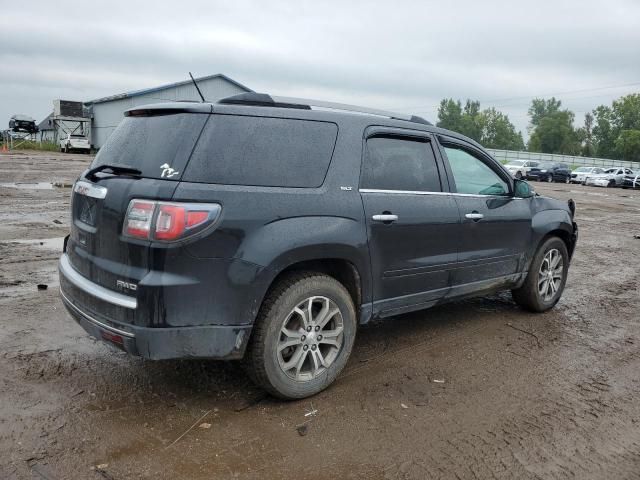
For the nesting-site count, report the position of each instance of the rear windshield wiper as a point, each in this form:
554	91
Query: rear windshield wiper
114	169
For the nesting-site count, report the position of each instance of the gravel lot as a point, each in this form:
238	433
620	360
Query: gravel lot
477	389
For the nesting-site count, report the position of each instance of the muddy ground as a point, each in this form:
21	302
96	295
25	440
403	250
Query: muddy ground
478	389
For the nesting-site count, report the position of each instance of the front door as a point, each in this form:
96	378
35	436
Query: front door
411	222
495	228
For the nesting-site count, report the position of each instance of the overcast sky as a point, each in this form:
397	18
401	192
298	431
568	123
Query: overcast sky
404	56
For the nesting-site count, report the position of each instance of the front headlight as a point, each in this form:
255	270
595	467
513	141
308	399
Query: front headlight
543	171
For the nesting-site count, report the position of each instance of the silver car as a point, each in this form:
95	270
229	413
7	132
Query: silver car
579	175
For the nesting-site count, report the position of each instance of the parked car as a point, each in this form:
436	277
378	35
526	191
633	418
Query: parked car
611	177
75	142
631	181
520	168
266	229
22	123
580	174
550	172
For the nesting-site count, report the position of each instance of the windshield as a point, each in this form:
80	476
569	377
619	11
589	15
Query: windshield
611	170
545	165
516	163
583	169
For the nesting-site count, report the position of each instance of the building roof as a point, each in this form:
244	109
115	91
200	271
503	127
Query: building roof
46	124
137	93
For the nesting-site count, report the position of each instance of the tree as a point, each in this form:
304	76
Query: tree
617	128
552	129
628	145
604	136
541	108
471	122
586	136
450	115
498	131
489	127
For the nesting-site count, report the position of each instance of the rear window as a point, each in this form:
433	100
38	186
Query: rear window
262	151
159	146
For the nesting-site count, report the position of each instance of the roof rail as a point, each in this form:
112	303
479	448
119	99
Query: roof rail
264	100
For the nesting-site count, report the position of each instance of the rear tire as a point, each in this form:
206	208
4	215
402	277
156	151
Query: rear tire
292	354
550	265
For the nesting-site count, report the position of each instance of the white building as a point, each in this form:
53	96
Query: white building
107	112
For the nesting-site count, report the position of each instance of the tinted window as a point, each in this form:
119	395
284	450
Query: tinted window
148	143
473	176
271	152
400	164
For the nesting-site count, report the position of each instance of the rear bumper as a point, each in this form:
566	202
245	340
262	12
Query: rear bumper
224	342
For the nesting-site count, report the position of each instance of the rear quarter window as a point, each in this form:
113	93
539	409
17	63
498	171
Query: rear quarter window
262	151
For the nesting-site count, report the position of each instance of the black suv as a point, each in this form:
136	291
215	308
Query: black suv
268	229
550	172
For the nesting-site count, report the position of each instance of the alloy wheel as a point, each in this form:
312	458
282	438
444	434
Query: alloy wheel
550	275
311	338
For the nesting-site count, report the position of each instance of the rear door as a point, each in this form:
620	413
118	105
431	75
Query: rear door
411	221
495	227
157	145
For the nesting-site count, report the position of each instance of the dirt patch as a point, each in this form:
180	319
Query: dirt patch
476	389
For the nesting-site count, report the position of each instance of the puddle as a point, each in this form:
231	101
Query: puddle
29	185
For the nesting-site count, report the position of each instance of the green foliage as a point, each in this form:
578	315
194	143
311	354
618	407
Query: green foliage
552	128
488	127
628	145
541	108
498	132
585	135
617	128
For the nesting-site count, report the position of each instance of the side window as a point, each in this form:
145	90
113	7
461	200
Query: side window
394	163
472	175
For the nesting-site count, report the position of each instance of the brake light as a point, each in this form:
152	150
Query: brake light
168	221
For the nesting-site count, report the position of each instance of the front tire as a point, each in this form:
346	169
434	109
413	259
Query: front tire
546	279
303	336
550	179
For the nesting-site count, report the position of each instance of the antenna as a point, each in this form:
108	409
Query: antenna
197	88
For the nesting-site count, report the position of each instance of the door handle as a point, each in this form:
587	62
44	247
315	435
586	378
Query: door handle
475	216
385	218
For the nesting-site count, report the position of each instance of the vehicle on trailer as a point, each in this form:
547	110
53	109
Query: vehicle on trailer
73	142
631	181
580	174
23	123
612	177
550	172
267	229
520	168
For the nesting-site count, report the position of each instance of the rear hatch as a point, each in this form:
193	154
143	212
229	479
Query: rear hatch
157	144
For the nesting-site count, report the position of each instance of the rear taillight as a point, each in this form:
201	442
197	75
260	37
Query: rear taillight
168	221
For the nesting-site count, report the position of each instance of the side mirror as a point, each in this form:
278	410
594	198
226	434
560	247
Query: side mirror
522	189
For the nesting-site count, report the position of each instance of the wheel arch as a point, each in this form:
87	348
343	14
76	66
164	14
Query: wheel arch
342	269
